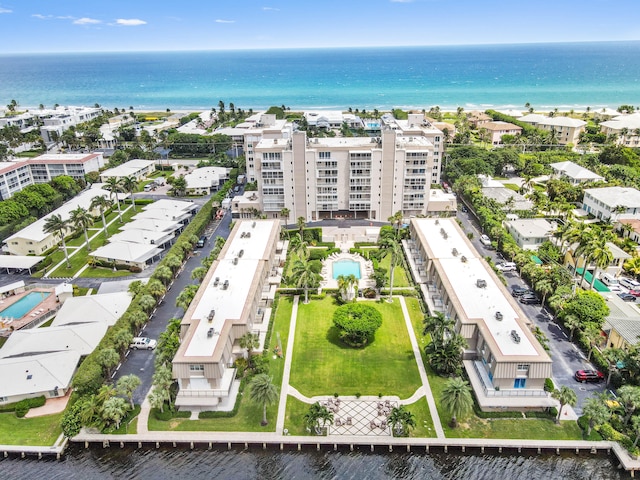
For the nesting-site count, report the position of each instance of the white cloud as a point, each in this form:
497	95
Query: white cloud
130	22
5	10
86	21
225	21
40	16
270	9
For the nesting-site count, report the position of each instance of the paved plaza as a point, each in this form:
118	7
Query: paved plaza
360	417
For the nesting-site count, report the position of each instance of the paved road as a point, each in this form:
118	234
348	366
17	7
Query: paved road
566	356
140	362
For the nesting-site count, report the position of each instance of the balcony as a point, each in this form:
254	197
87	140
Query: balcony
481	377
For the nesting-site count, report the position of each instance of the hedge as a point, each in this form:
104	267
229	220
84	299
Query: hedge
34	402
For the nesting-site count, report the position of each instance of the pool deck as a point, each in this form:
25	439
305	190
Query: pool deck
40	310
366	270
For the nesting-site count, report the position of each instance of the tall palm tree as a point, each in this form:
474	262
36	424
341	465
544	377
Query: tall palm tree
102	203
55	224
299	246
456	398
155	287
113	186
601	255
572	322
114	410
629	399
347	286
566	396
392	247
284	212
396	221
263	392
300	223
250	342
130	184
545	287
438	326
127	385
82	219
317	418
306	278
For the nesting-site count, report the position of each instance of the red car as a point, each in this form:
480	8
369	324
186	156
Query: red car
589	376
635	293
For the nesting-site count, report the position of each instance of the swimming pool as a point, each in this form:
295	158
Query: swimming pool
345	268
24	305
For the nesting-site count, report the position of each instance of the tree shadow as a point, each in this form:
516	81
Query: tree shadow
333	337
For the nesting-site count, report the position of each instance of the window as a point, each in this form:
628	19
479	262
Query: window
196	368
519	383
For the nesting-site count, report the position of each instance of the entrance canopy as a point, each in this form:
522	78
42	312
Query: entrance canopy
18	262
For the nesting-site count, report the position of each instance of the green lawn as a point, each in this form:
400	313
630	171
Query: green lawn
399	274
512	186
249	415
104	272
29	431
323	365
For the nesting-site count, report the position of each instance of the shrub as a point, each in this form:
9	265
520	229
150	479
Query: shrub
369	293
357	323
22	407
134	269
548	385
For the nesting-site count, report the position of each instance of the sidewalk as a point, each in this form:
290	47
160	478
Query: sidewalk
284	389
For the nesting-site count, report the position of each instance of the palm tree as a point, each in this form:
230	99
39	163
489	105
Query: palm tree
566	396
545	286
102	203
315	415
263	392
126	385
82	219
156	288
114	410
456	398
629	400
571	322
113	186
300	223
299	246
163	273
401	420
396	221
130	184
284	212
601	255
250	342
446	358
199	273
592	334
613	356
55	224
186	296
346	284
306	278
107	358
147	302
596	411
392	247
438	326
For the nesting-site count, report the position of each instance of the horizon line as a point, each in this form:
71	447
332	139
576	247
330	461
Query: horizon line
354	47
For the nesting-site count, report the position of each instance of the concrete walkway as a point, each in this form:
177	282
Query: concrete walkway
437	425
143	416
77	249
284	390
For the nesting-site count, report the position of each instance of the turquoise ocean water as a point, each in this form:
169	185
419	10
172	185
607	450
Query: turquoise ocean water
570	75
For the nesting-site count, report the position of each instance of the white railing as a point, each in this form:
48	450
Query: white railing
490	391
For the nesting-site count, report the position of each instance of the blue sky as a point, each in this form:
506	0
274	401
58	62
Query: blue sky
138	25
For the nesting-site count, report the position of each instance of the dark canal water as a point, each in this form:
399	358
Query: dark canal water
127	463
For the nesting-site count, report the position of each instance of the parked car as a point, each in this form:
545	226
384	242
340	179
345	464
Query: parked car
627	297
142	343
464	209
517	291
507	267
201	241
629	283
635	292
486	241
589	376
529	299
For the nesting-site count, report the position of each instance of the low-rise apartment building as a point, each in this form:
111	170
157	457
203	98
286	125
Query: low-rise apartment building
625	127
505	363
137	169
566	129
612	202
530	233
14	176
497	130
574	173
234	298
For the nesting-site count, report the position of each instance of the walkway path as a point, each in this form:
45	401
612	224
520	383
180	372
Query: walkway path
77	249
284	390
437	425
143	416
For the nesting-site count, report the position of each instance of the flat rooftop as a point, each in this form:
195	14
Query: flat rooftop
230	302
477	303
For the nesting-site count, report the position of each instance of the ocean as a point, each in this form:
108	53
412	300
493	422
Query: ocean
563	75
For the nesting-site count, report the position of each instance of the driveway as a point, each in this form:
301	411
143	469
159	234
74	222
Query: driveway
565	355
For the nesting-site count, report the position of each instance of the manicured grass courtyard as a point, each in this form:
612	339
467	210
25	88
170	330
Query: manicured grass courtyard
43	430
323	365
249	414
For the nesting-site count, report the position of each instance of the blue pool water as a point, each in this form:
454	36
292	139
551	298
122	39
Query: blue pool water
346	267
24	305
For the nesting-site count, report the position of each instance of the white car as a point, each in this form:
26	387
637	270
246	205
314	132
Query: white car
507	267
143	343
486	241
629	283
